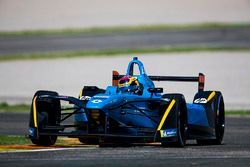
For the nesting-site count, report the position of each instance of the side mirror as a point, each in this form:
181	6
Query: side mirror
155	90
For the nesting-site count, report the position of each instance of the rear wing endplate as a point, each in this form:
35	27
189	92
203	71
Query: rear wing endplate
200	79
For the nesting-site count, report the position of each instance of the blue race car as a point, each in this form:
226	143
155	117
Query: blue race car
131	110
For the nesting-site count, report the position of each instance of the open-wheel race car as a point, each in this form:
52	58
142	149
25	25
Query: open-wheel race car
131	110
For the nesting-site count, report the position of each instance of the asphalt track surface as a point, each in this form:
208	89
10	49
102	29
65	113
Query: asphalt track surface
235	150
215	37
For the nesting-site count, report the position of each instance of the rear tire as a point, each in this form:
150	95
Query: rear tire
219	110
48	113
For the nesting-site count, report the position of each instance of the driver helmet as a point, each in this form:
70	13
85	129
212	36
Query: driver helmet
128	84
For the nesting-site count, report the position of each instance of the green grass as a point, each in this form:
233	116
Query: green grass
18	140
96	30
238	113
15	140
115	52
5	107
9	140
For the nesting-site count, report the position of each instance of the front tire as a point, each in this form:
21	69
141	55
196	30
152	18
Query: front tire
48	114
44	140
181	122
90	141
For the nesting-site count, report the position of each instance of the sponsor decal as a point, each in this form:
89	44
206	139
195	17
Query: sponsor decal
168	133
85	98
166	99
96	101
200	100
31	131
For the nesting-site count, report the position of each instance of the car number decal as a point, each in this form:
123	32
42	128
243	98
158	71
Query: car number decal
200	100
96	101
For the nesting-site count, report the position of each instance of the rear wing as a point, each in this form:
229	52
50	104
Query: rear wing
200	79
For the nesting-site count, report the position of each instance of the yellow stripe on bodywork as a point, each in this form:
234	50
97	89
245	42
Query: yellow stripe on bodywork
166	114
211	96
34	112
80	95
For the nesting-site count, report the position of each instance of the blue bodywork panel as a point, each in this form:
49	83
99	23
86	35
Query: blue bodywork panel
197	115
81	116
